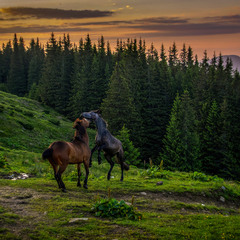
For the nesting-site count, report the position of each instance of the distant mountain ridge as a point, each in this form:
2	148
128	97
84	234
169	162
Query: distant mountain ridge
235	61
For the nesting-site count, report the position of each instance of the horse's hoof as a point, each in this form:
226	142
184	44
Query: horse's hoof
79	185
121	179
85	186
64	190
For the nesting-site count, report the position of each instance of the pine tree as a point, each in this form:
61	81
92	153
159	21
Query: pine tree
49	84
118	108
156	110
170	152
211	149
17	81
131	154
35	64
66	59
5	63
181	143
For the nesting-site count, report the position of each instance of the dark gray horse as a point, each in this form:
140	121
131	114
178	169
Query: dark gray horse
105	141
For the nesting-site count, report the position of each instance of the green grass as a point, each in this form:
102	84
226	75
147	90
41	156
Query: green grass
185	206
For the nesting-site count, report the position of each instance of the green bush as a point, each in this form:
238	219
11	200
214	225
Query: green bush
28	113
3	161
205	178
27	126
1	108
55	122
115	209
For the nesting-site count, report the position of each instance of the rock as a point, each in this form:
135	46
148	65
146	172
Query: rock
143	193
160	183
223	188
222	199
72	220
128	203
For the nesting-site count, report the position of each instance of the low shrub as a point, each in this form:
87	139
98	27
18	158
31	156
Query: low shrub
28	114
115	209
55	122
155	172
27	126
3	161
199	176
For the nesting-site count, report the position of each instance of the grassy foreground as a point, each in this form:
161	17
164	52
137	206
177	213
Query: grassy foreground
173	205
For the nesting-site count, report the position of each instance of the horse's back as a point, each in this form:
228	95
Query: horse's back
79	153
60	152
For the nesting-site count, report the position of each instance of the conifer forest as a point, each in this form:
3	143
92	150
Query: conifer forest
178	110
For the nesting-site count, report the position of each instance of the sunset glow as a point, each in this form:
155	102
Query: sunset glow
211	25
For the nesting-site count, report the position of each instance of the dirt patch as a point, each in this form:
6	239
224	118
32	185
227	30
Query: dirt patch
22	201
19	201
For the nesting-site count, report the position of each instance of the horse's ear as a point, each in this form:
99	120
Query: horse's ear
99	111
76	122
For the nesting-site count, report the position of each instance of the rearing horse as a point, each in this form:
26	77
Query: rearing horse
62	153
105	141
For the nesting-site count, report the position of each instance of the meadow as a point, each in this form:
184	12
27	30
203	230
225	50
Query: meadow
172	205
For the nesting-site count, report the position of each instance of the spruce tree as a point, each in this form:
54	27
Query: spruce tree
17	80
35	64
118	108
156	110
181	143
211	149
49	84
66	59
131	154
5	63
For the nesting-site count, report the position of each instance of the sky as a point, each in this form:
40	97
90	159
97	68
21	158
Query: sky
212	25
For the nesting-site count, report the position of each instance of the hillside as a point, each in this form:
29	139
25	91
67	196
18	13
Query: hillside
27	128
173	205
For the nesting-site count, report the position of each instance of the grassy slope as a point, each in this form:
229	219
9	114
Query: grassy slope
181	208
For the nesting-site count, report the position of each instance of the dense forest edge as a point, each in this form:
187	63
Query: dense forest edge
179	112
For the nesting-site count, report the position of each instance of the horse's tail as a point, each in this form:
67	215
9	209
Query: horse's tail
125	166
47	153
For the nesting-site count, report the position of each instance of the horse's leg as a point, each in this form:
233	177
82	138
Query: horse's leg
120	159
79	174
92	151
55	169
59	174
86	165
109	159
100	148
99	156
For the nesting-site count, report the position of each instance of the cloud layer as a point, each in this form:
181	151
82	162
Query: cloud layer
145	27
50	13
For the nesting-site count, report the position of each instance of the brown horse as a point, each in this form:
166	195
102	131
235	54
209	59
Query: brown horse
62	153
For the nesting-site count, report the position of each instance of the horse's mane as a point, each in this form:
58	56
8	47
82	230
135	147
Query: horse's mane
79	133
104	121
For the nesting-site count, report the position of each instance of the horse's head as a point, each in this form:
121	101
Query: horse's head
79	123
92	115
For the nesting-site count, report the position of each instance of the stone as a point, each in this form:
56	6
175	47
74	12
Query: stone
223	188
160	183
143	193
72	220
222	199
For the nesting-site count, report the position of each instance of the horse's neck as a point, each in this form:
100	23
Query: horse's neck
83	137
101	126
